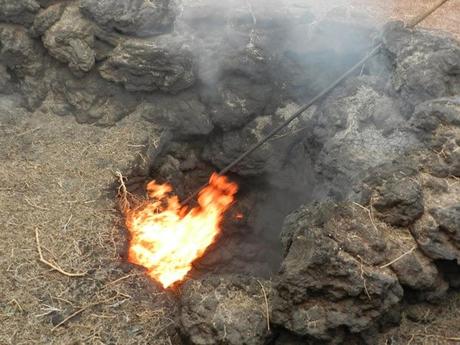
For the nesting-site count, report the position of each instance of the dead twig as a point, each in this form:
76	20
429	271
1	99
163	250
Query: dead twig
369	212
119	280
437	336
34	205
399	257
81	310
123	193
54	266
267	309
363	278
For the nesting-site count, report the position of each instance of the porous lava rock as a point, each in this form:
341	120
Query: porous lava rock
19	52
224	310
46	18
90	99
356	128
329	281
183	114
132	17
71	40
271	157
236	101
18	11
398	197
426	66
162	63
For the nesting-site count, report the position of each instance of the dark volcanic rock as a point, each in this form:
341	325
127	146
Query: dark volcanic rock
163	63
398	200
133	17
434	241
91	99
427	66
224	310
19	51
46	18
449	221
235	101
429	115
183	114
18	11
71	40
329	281
272	157
356	128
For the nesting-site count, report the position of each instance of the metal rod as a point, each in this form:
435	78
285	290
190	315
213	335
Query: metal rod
303	108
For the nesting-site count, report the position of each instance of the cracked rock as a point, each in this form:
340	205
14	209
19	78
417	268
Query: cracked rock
224	310
132	17
163	63
71	40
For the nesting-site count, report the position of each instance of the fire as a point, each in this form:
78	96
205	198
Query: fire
166	237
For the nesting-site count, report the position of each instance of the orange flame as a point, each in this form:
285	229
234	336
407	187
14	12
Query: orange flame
166	238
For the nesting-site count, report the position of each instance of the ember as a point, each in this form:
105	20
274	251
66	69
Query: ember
166	237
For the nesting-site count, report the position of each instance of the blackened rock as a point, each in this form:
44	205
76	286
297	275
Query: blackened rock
163	63
329	281
224	310
356	128
183	114
398	200
434	242
18	11
429	115
19	52
90	99
133	17
71	40
449	221
271	158
236	101
46	18
437	232
426	66
225	148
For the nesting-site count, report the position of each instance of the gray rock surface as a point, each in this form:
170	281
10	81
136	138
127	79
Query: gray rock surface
132	17
18	11
71	40
183	114
235	101
46	18
398	200
357	127
163	63
19	52
90	99
329	280
224	310
426	66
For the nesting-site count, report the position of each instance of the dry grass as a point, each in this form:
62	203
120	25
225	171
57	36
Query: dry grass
58	177
438	325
